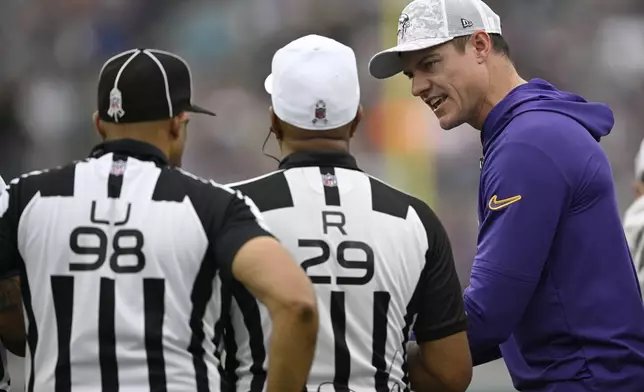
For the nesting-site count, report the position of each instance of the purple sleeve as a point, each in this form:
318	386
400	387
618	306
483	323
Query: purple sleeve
524	194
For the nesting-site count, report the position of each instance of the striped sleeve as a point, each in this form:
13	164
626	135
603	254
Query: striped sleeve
242	223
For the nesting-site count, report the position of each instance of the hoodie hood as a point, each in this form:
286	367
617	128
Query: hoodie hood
538	94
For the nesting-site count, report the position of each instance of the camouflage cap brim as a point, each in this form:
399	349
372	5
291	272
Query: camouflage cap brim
389	62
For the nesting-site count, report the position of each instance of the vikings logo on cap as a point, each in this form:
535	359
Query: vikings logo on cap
116	105
403	24
320	113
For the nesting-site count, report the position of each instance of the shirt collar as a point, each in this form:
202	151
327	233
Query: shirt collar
133	148
319	158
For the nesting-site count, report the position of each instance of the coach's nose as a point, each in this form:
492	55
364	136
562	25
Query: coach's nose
419	86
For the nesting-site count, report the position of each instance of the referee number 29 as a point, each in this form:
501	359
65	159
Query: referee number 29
125	242
365	263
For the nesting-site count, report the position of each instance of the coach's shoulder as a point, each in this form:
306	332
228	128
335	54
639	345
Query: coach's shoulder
543	129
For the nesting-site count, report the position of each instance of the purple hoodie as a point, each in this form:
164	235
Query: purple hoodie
553	288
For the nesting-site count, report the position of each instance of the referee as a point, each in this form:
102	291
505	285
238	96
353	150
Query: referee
124	258
379	258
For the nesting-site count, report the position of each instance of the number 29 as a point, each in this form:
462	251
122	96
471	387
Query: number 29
366	265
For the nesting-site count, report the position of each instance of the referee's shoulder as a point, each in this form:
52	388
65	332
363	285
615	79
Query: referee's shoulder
53	181
388	197
269	191
193	186
259	180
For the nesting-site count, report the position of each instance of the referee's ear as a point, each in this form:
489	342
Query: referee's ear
97	124
356	122
276	127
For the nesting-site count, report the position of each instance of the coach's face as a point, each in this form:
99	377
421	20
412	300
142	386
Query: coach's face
451	82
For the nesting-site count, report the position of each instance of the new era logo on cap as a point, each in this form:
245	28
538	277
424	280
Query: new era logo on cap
145	85
466	23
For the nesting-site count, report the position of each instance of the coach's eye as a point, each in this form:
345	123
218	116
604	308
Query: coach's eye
429	65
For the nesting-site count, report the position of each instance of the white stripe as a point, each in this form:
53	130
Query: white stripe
4	202
4	197
165	80
180	59
125	64
233	184
118	76
114	58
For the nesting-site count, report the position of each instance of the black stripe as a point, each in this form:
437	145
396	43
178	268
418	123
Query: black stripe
231	359
279	196
115	179
201	293
252	320
409	317
32	330
57	182
342	357
387	200
379	339
222	328
62	289
154	304
331	192
107	337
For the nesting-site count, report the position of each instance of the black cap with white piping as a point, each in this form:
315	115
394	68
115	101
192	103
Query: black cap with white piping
141	85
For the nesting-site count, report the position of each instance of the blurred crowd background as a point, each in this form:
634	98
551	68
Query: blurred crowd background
52	51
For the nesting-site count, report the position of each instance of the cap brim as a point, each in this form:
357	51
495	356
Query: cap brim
389	63
268	84
198	109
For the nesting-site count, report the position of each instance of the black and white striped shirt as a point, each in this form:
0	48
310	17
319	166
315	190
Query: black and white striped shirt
381	263
4	369
123	262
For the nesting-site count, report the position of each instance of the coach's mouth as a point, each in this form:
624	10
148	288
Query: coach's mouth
436	102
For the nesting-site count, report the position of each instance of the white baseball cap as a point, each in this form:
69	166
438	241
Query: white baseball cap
314	83
427	23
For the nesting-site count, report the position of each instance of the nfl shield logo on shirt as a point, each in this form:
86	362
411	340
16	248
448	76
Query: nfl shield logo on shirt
329	180
118	168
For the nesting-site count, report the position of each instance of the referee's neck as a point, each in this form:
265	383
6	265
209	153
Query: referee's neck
314	145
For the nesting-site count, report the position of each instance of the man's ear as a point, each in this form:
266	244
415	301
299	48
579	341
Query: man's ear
177	124
356	122
97	124
276	127
482	43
